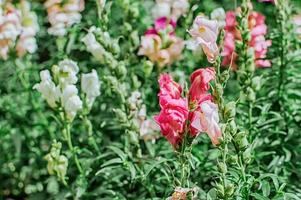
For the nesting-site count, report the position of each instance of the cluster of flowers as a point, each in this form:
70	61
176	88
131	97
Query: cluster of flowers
258	30
62	14
171	9
61	92
160	44
180	116
18	27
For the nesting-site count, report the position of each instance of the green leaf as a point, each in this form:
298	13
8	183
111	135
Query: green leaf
259	197
155	165
265	188
112	161
119	152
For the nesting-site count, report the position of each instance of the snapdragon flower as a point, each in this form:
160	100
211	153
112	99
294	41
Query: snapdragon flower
205	32
63	14
90	86
50	92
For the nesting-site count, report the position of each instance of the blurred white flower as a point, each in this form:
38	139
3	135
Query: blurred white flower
27	41
71	101
10	28
90	85
172	9
63	15
68	70
161	9
219	15
92	45
47	88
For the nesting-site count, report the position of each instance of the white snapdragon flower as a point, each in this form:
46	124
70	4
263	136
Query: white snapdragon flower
47	88
90	85
68	70
219	15
71	101
92	45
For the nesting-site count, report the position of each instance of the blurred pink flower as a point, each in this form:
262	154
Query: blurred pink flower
204	33
200	84
205	119
258	30
160	44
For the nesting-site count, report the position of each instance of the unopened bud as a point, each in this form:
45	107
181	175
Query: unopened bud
121	116
251	95
230	110
229	189
222	167
135	38
247	156
219	90
115	47
256	83
148	68
232	159
241	140
121	71
232	127
220	191
225	76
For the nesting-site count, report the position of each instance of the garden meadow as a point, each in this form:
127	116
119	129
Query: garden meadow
152	99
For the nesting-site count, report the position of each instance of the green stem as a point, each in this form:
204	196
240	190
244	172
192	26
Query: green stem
71	148
92	140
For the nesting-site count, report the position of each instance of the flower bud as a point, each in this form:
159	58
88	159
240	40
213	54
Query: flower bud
121	116
225	76
232	159
238	44
115	47
135	38
220	191
241	140
222	167
121	71
229	189
256	83
251	95
230	110
134	11
128	27
247	156
218	92
232	127
134	137
148	67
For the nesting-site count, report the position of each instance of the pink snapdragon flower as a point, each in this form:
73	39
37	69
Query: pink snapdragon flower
174	114
200	84
205	119
258	30
160	44
174	110
204	33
